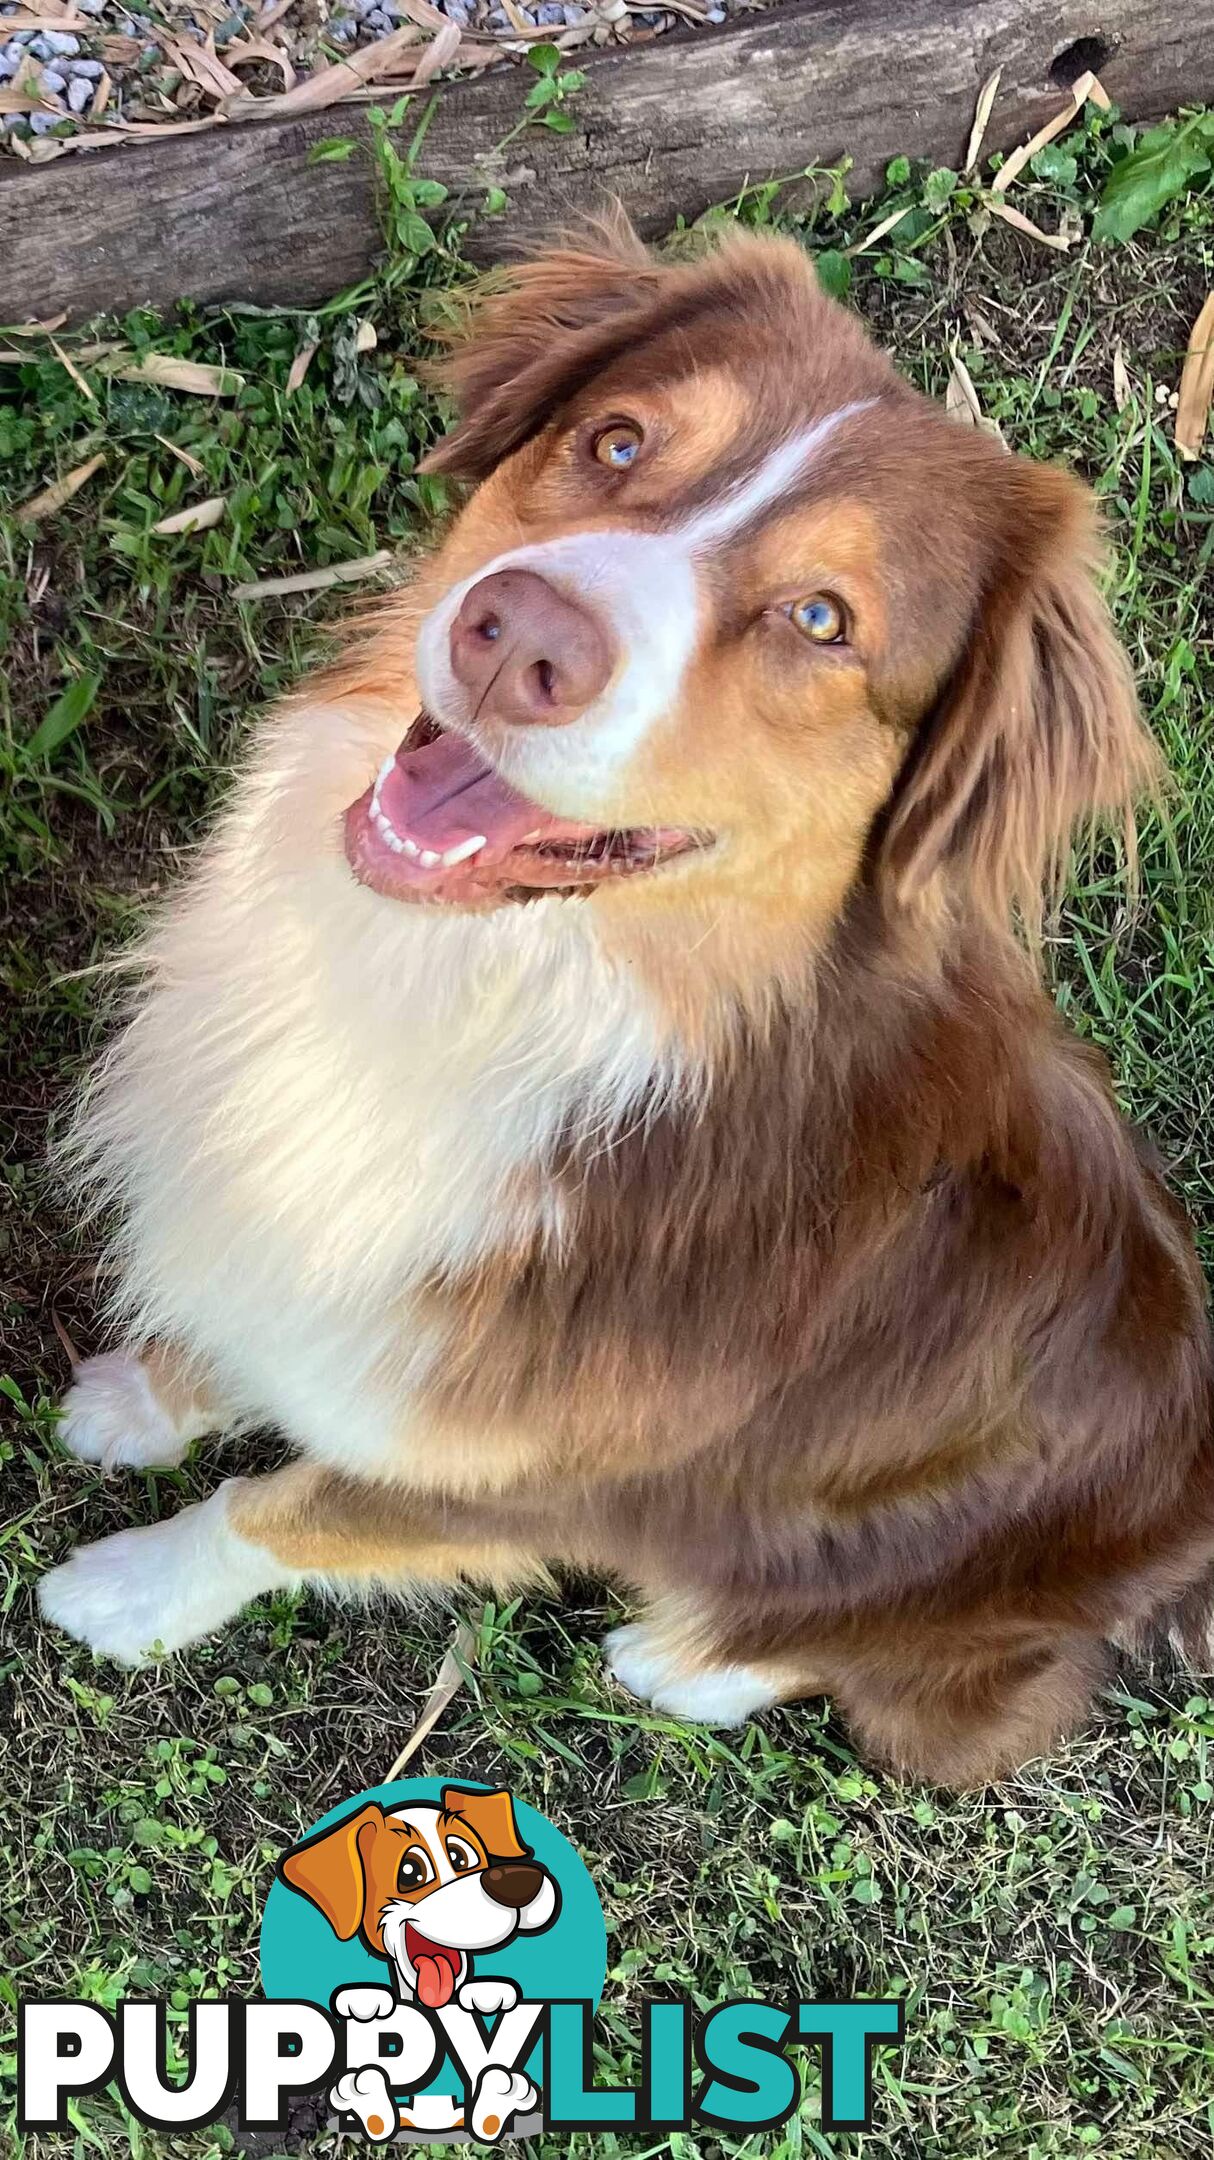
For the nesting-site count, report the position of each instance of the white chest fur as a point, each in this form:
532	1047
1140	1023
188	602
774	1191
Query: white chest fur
328	1097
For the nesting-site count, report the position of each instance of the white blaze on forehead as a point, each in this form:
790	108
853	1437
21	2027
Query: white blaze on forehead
424	1820
644	587
768	484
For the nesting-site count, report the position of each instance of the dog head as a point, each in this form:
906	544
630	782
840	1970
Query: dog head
426	1884
736	616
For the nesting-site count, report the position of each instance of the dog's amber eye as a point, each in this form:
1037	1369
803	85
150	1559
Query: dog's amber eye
461	1856
617	446
819	618
414	1871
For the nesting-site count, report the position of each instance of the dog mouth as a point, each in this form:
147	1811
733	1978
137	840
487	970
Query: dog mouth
439	824
436	1966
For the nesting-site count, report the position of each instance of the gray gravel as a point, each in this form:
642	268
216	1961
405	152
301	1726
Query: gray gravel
121	55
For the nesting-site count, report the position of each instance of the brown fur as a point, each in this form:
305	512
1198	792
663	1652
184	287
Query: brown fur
881	1366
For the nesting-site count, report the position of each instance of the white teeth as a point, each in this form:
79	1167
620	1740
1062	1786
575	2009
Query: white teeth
411	847
428	859
380	777
453	855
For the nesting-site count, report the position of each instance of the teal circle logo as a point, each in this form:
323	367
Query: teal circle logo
433	1921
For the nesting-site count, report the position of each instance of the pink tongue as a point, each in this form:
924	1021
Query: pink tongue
445	793
435	1981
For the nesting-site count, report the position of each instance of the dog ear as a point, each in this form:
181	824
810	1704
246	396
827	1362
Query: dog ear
491	1816
330	1869
1038	732
533	334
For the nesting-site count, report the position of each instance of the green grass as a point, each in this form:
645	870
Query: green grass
1052	1938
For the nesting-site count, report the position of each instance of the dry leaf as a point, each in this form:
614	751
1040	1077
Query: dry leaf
198	519
1122	392
330	84
1083	88
60	491
365	339
196	377
1021	223
191	463
242	51
31	19
448	1682
202	67
37	329
73	371
439	53
21	101
960	398
422	13
73	1355
879	231
982	114
343	573
299	367
1196	385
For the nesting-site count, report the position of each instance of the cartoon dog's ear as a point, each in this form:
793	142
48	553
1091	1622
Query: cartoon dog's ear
533	334
491	1816
331	1869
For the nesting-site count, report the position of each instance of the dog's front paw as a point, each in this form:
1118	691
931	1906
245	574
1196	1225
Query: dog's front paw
157	1589
501	2094
715	1695
488	1996
111	1415
367	2094
364	2003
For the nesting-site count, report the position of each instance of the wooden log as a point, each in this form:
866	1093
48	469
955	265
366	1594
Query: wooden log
239	213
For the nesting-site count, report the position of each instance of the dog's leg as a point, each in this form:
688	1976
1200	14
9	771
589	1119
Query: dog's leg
138	1407
164	1586
668	1659
966	1723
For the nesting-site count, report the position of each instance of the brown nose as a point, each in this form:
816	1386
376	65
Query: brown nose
513	1882
525	653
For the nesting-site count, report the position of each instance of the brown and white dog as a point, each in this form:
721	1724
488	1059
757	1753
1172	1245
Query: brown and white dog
425	1886
590	1094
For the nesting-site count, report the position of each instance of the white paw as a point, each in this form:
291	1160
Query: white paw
364	2003
501	2094
488	1996
111	1416
161	1587
719	1695
367	2094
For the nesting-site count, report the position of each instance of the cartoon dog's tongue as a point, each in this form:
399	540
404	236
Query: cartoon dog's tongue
437	1968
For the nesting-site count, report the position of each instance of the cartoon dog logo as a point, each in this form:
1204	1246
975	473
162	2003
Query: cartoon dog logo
425	1886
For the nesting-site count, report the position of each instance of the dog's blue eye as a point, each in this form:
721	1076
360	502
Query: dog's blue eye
617	446
819	618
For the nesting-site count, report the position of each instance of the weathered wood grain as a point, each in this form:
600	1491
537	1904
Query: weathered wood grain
239	213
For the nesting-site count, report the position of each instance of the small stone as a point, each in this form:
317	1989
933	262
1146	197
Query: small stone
549	12
63	46
716	14
379	22
79	94
90	7
54	81
41	123
92	70
7	67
